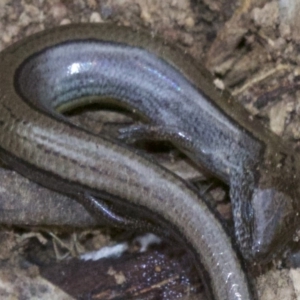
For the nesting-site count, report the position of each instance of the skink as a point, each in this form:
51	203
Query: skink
51	69
177	97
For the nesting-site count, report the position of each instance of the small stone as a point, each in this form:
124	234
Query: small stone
189	22
145	16
58	11
65	22
219	84
24	19
277	115
95	18
268	16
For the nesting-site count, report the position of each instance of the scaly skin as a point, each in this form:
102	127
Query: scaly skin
42	145
178	98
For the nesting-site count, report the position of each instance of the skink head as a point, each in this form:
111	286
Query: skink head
265	194
274	221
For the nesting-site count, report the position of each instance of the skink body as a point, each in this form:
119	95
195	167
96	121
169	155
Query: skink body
177	97
48	70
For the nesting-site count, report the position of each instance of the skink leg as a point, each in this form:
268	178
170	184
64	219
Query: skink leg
204	186
101	209
172	134
134	133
